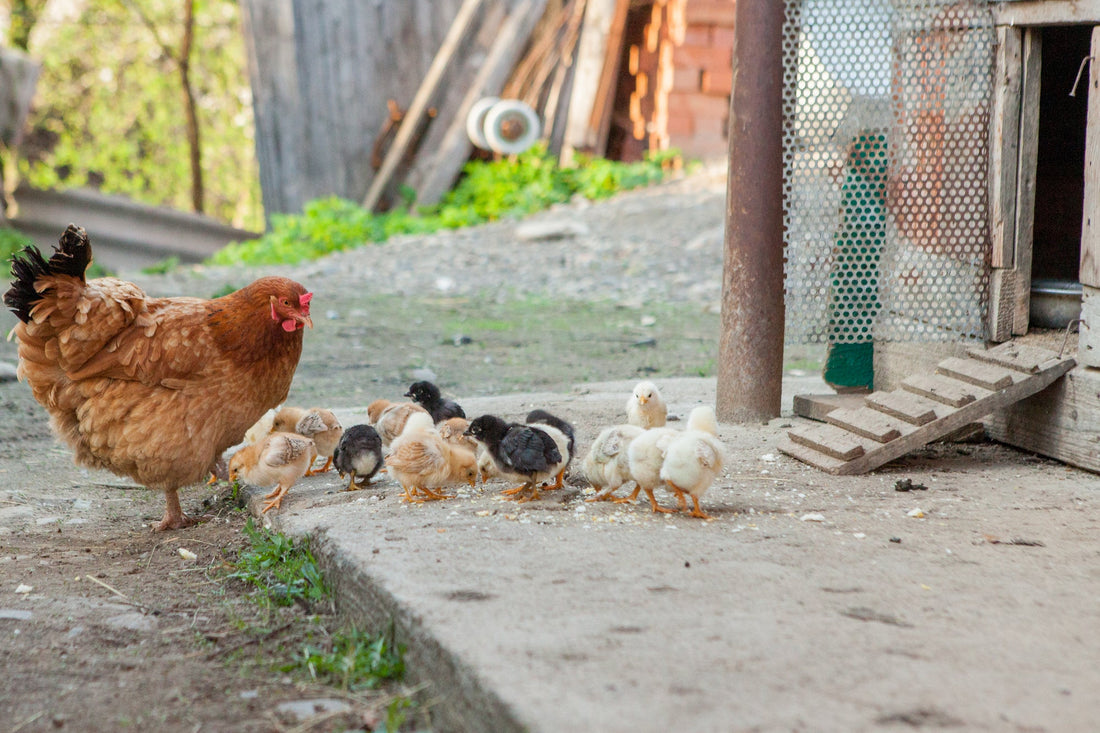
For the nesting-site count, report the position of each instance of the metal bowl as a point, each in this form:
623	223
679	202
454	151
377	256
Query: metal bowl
1054	303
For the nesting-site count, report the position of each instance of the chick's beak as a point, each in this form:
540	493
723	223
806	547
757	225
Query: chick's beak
642	399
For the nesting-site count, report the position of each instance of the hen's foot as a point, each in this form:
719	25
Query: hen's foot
174	518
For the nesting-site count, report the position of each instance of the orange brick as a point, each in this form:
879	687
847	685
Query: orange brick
714	81
680	125
722	37
710	12
702	57
688	80
700	105
697	35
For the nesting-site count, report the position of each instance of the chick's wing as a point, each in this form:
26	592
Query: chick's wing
529	449
284	450
418	456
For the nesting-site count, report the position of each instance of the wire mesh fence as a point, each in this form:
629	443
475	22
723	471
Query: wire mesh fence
887	106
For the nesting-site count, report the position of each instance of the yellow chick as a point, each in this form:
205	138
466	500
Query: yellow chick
645	408
278	460
453	431
486	466
645	457
607	464
694	459
391	417
422	461
326	431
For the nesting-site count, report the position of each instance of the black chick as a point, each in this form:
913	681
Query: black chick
428	396
524	452
563	435
359	453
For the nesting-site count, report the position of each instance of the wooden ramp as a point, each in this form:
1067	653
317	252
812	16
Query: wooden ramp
926	408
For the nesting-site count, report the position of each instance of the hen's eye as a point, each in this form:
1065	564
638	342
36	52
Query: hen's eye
285	302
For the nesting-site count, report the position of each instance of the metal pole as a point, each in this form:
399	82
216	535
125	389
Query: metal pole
750	356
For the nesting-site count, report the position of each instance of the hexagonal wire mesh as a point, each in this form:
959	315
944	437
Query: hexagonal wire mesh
887	106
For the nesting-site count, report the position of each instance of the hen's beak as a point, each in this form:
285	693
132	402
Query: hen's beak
304	318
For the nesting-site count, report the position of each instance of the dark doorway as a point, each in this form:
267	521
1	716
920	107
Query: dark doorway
1060	168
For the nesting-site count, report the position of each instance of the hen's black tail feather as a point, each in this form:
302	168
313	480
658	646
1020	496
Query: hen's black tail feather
71	256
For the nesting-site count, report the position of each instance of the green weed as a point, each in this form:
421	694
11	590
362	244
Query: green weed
489	190
281	570
352	660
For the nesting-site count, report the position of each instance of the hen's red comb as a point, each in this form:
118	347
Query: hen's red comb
304	299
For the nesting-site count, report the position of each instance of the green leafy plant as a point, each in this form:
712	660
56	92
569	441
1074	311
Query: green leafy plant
11	241
352	660
489	190
166	265
281	570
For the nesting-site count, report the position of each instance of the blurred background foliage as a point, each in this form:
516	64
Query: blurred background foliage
110	110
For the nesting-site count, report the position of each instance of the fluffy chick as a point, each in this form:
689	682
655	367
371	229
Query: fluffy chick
645	408
278	460
391	417
453	430
564	438
694	459
428	396
522	452
645	456
319	424
358	455
607	464
422	461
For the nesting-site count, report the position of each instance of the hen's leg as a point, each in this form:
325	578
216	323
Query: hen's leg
174	518
657	507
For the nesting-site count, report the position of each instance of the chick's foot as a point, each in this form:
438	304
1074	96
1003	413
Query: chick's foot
697	512
516	490
275	499
628	499
657	507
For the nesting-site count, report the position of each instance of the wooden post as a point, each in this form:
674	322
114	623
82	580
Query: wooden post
1089	340
750	359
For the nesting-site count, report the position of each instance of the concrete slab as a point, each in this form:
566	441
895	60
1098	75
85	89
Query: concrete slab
810	602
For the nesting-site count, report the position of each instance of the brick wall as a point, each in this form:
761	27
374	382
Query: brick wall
702	60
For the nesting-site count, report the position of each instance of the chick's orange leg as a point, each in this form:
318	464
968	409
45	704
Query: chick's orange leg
275	499
434	496
322	469
174	518
628	499
533	496
516	490
680	500
697	512
657	507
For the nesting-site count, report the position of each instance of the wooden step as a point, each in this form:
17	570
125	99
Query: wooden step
891	424
903	405
827	439
865	422
1019	357
942	389
981	374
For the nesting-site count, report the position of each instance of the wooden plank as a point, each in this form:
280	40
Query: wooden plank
947	424
865	422
817	406
591	58
1046	12
1088	339
1002	304
1004	136
1016	356
904	406
941	389
414	115
1025	179
987	376
810	456
1090	220
827	439
437	167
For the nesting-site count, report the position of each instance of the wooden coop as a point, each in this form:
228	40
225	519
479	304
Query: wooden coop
358	99
941	197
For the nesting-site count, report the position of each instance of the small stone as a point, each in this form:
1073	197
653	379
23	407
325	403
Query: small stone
304	709
916	513
24	589
424	374
7	372
812	518
546	231
15	614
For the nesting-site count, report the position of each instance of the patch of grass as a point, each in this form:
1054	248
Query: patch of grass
11	241
489	190
165	265
352	660
281	570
